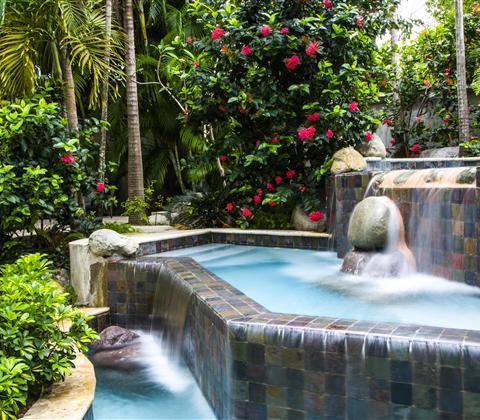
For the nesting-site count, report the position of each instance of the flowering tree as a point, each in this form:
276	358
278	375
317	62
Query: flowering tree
278	87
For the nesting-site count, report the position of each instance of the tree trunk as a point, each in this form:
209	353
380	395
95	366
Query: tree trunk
104	112
70	101
135	164
463	123
143	24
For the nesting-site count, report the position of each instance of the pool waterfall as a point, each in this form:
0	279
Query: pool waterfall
348	346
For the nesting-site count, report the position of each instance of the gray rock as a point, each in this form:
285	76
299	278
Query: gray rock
159	218
355	261
373	148
106	242
443	152
368	228
347	160
467	176
301	221
114	337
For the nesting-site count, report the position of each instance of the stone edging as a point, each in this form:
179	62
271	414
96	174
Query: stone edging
70	399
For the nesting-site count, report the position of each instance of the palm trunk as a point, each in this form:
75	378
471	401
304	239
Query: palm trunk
143	24
70	101
104	112
135	164
463	123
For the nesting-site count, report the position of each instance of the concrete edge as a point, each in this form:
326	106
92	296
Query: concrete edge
70	399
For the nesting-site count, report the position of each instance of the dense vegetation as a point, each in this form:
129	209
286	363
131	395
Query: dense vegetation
34	349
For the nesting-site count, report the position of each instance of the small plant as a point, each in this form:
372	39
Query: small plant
136	207
471	148
34	350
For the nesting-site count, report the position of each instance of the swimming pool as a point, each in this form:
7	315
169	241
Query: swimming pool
310	283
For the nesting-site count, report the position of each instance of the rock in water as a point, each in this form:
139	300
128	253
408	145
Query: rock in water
106	242
368	228
373	148
114	337
347	160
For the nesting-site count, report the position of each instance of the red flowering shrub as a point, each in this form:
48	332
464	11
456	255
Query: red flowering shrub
305	91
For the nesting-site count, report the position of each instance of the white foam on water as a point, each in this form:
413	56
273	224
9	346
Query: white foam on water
162	366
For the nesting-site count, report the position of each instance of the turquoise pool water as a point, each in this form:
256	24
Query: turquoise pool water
153	385
309	283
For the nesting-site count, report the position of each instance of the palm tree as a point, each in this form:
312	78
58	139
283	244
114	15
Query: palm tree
58	38
136	190
463	121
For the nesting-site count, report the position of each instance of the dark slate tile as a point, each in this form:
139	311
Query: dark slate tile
400	371
451	378
335	384
401	393
424	396
256	392
450	401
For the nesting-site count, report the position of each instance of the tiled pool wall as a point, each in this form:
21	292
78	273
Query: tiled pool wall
377	164
307	241
454	249
254	364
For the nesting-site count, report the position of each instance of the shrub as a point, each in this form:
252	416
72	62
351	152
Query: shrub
279	87
34	350
46	172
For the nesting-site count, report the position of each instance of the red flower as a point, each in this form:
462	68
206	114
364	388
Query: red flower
415	148
315	216
100	187
329	134
419	118
196	63
223	158
353	106
393	141
284	30
189	39
368	135
265	30
290	173
257	199
258	142
241	109
312	49
278	179
229	206
328	4
260	192
246	212
306	133
427	83
359	21
217	33
292	62
275	140
446	121
221	108
302	189
272	203
270	186
68	158
246	50
313	117
386	121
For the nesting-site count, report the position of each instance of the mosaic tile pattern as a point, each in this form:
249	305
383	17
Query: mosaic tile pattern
255	364
253	239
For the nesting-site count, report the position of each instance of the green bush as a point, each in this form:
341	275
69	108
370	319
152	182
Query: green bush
46	172
279	87
34	351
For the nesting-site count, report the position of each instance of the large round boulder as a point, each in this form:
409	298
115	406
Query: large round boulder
347	160
106	242
368	228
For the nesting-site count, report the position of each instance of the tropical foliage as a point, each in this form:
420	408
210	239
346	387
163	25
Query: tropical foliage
34	349
276	88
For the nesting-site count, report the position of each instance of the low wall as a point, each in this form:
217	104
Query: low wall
452	249
254	364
